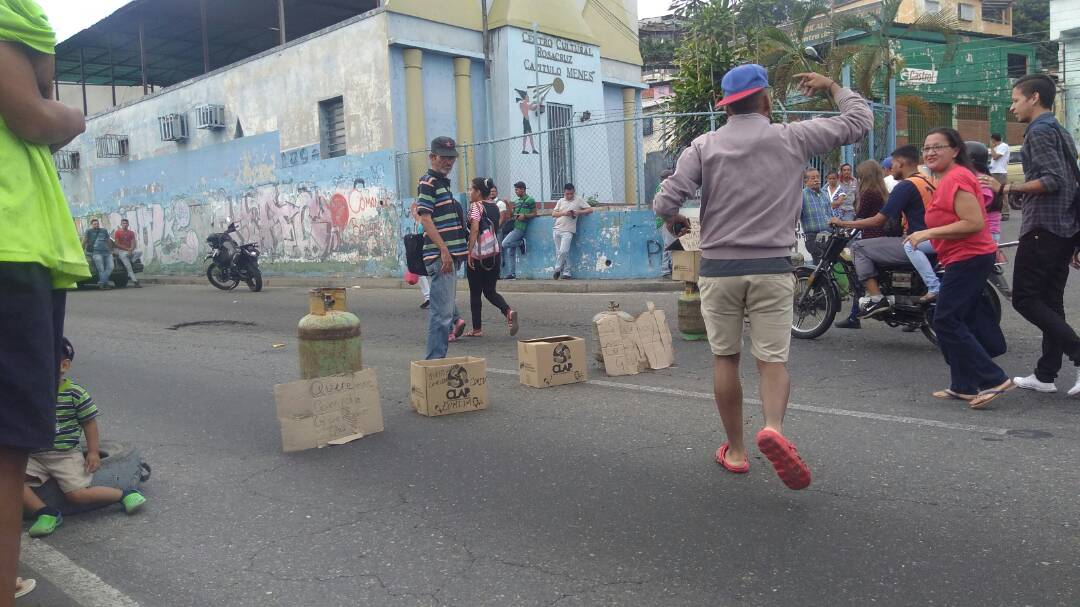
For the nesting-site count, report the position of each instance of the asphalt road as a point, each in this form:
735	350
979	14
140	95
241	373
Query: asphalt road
591	494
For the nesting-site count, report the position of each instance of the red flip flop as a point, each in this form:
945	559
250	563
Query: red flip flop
785	459
721	458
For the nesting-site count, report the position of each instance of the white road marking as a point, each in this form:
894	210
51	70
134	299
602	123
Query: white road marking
82	586
918	421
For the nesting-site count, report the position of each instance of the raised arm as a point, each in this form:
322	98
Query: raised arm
821	135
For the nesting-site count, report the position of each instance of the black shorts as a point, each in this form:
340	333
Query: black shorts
31	334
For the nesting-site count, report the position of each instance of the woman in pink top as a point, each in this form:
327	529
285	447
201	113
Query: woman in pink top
964	319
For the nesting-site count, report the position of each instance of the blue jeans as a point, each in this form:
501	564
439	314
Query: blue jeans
443	311
563	240
104	264
918	258
967	329
510	250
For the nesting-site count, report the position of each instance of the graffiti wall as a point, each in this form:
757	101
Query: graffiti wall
307	214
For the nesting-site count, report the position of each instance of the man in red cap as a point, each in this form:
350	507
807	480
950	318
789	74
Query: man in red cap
749	174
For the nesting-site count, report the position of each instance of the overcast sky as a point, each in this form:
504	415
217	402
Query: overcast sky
69	17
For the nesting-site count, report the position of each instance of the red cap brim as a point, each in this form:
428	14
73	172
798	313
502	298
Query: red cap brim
732	98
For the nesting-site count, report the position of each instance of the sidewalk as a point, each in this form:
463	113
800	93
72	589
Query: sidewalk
658	285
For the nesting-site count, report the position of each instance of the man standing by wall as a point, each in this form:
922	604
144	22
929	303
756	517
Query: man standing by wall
1048	229
999	166
524	210
125	248
99	245
445	246
816	211
566	214
748	173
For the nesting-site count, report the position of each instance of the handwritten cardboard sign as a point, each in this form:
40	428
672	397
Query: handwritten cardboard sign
448	385
333	410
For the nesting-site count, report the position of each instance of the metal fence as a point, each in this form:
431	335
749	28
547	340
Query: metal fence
610	161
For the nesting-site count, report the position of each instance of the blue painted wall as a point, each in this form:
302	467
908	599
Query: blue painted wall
609	244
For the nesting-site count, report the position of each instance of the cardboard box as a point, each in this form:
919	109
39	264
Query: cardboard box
552	361
330	410
685	265
629	347
448	385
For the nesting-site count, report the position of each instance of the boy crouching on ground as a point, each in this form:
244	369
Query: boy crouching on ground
76	413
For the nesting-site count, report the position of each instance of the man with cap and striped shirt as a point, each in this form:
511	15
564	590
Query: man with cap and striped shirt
445	246
748	172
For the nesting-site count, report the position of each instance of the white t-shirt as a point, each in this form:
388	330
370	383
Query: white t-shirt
890	183
567	223
1001	165
502	205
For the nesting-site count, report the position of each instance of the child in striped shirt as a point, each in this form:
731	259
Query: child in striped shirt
76	415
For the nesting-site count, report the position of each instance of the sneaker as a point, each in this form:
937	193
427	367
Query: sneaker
1075	390
849	323
24	586
1032	383
136	284
556	275
874	308
510	277
909	329
45	524
106	287
132	501
426	304
567	276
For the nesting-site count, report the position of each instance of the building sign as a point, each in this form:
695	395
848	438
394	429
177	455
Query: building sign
555	56
910	75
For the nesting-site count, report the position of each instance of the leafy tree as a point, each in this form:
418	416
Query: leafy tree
706	53
1031	21
657	52
876	57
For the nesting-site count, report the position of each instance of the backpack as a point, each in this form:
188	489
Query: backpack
925	186
487	241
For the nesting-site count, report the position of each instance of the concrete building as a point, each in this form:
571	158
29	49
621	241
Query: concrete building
298	117
1065	29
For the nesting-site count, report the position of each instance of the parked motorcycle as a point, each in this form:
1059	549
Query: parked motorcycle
818	299
232	262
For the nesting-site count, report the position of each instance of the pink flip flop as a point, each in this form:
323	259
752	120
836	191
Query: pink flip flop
785	459
721	458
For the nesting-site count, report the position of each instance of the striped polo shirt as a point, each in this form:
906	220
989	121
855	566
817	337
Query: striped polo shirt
434	197
74	407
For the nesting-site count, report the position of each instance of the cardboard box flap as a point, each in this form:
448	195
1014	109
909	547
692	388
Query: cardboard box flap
333	410
655	338
619	346
549	340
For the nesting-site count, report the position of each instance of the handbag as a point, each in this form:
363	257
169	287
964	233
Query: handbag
487	243
414	254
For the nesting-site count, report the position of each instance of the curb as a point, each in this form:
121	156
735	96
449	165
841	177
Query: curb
505	286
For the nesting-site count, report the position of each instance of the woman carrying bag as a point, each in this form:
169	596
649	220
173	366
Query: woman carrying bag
484	263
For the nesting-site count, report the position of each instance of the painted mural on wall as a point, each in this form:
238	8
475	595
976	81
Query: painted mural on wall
338	214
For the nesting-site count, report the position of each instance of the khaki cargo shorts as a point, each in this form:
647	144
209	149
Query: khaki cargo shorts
67	467
766	299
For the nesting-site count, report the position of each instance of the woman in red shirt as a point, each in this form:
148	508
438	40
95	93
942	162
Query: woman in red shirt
967	328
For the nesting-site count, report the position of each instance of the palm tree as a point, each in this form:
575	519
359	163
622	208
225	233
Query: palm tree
783	51
877	56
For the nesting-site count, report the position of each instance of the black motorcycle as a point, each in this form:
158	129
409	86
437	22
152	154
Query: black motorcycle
232	262
818	292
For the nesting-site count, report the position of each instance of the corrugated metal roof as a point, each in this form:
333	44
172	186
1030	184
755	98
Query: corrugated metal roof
108	51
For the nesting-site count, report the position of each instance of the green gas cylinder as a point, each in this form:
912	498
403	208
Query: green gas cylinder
329	336
690	321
